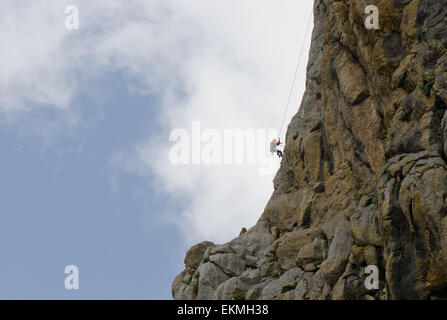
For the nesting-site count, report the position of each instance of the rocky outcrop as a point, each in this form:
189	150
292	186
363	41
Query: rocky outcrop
364	176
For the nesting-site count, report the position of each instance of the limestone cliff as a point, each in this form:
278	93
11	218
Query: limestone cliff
364	177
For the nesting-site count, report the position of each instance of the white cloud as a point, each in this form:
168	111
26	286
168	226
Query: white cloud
226	63
237	76
33	64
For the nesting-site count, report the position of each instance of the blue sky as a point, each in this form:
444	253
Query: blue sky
85	118
59	207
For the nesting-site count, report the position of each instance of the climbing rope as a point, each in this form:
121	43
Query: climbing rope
296	74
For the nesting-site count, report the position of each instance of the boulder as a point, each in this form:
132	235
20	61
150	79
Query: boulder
365	226
274	288
230	263
290	244
194	256
209	278
338	254
312	252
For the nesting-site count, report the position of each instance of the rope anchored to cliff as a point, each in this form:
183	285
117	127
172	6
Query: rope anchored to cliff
295	75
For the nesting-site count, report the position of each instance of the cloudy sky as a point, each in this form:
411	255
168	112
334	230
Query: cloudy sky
85	121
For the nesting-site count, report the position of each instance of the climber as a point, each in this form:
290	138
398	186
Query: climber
279	152
273	147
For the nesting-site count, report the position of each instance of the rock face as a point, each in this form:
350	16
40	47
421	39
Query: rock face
364	176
